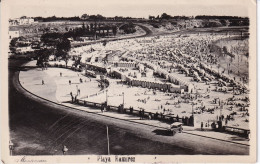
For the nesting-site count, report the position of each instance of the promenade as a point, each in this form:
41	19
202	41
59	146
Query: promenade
57	89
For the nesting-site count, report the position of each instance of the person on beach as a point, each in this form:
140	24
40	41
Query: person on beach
72	99
75	99
150	116
42	82
69	82
180	129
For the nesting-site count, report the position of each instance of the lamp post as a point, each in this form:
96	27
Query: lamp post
108	151
192	104
123	98
192	108
221	107
106	97
11	147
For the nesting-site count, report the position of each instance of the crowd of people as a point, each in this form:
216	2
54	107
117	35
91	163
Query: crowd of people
183	59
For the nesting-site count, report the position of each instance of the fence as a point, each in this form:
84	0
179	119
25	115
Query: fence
63	66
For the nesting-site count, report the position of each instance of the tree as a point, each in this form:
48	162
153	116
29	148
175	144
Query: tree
99	29
84	16
224	22
77	61
50	39
83	28
107	28
128	28
87	28
13	45
43	56
64	56
100	17
165	16
63	47
91	26
114	30
95	26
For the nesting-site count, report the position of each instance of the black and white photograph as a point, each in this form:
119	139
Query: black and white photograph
115	81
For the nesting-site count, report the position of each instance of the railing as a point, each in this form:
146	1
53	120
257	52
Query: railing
63	66
146	115
237	131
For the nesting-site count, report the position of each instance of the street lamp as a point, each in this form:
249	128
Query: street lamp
106	96
11	147
221	107
192	104
123	98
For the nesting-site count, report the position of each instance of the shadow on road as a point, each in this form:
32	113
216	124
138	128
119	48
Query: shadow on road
163	132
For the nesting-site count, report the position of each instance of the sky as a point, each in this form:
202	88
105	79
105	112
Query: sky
132	8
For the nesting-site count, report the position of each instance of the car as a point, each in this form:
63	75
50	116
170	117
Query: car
175	127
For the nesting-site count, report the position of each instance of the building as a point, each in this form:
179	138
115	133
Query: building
13	34
24	49
21	21
123	64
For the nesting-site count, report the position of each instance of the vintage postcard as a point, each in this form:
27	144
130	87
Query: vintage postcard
120	81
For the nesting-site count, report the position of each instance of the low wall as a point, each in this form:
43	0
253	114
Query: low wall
155	116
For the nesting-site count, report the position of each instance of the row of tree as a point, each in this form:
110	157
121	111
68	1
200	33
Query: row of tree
93	29
54	18
208	20
99	30
97	17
